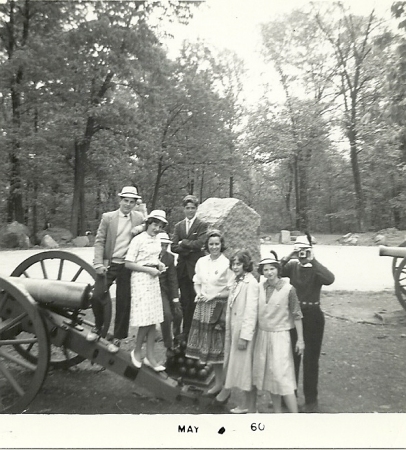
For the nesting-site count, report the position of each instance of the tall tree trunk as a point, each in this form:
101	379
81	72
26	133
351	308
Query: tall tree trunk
359	194
288	194
296	180
78	216
201	186
15	209
157	183
302	213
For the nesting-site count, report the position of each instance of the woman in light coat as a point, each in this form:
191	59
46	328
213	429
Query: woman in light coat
241	320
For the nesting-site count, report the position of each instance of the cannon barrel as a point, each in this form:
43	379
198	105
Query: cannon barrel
64	294
396	252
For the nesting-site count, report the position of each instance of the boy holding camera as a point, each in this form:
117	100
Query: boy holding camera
308	276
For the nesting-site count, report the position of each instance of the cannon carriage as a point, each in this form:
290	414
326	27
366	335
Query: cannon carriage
398	269
44	321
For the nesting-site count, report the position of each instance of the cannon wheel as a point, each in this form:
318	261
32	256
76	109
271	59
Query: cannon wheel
397	260
400	283
65	266
20	321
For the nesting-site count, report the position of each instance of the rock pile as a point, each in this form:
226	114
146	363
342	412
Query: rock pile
16	235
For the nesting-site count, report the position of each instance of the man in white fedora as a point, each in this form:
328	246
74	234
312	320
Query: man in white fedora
113	237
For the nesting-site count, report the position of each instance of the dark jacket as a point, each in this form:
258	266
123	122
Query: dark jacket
168	279
307	281
191	247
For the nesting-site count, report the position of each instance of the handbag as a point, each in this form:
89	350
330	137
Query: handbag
218	314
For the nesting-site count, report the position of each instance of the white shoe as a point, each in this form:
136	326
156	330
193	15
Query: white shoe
135	361
239	410
158	368
111	348
93	335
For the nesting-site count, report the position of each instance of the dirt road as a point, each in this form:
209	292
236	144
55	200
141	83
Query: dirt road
361	369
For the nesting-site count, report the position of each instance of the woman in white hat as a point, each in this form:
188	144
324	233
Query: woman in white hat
146	301
278	310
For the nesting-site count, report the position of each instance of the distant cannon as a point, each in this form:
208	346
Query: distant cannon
46	301
398	269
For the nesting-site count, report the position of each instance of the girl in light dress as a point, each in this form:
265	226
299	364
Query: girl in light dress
278	311
146	301
241	319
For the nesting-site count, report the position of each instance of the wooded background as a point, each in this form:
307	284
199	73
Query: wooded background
90	102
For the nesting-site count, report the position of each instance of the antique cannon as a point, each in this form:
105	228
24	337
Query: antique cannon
44	321
398	269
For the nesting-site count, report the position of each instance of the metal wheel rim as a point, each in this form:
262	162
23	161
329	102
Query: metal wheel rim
11	366
69	358
396	261
400	283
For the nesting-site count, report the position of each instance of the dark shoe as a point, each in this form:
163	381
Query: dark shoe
312	407
93	335
222	402
213	393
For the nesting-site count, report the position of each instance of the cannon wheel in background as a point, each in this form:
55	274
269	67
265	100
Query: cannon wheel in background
65	266
397	260
20	321
400	283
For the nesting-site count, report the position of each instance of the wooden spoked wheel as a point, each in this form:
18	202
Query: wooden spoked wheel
397	260
64	266
21	324
400	283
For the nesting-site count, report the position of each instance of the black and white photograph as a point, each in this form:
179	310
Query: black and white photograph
202	224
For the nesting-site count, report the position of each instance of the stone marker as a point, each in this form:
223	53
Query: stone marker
285	237
48	242
380	239
16	235
81	241
239	223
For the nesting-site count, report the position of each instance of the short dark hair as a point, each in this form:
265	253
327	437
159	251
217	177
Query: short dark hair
214	233
153	220
260	269
190	199
244	257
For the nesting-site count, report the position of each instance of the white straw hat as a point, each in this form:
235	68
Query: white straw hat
302	242
158	214
129	191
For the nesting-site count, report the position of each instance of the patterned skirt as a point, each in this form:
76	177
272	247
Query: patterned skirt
206	339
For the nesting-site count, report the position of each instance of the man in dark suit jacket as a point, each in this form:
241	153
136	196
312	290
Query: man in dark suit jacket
188	240
168	281
113	237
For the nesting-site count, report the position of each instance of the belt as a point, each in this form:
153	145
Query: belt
310	303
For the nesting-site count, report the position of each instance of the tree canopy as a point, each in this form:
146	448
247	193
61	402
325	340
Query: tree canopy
91	101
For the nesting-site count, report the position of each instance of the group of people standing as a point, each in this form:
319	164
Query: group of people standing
252	333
